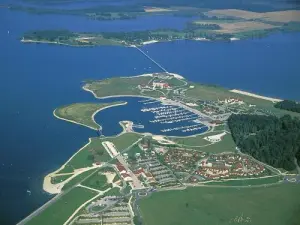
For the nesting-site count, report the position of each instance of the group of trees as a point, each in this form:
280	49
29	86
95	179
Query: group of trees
288	105
191	26
275	141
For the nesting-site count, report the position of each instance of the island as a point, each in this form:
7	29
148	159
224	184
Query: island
212	25
226	151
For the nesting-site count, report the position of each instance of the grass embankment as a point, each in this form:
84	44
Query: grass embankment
58	179
63	208
95	152
83	113
117	86
97	181
276	205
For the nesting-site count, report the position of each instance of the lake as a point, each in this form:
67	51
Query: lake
38	78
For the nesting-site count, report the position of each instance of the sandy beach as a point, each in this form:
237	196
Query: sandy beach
256	96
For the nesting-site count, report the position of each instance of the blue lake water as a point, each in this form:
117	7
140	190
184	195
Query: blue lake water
35	79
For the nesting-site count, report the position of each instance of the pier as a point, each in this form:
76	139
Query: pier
145	54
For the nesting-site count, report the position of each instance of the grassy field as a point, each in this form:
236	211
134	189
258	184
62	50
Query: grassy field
276	205
58	179
261	181
220	127
237	27
82	159
82	113
195	140
226	145
135	149
113	192
96	149
117	86
97	181
279	16
77	179
62	209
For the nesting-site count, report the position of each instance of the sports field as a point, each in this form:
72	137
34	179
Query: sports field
276	205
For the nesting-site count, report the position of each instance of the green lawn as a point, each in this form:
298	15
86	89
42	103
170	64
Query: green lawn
63	208
113	192
93	152
135	149
82	113
117	86
261	181
78	179
220	127
97	181
226	145
58	179
276	205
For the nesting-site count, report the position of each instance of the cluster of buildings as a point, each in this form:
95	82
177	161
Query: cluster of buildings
228	166
160	84
145	176
155	173
123	172
231	101
181	160
107	211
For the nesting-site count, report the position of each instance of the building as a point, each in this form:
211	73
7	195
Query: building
161	85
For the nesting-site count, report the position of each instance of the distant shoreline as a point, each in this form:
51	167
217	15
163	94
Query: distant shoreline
274	100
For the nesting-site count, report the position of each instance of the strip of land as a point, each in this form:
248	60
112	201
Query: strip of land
83	113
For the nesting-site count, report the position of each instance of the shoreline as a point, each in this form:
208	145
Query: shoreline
274	100
93	116
47	185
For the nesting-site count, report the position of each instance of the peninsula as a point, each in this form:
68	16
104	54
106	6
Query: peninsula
122	178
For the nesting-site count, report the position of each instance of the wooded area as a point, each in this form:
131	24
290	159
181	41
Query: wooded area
275	141
288	105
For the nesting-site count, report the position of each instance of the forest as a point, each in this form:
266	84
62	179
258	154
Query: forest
272	140
288	105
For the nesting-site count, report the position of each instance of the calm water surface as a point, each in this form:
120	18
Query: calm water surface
35	79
